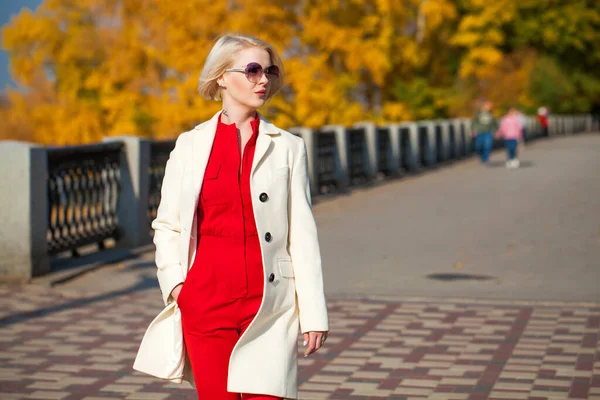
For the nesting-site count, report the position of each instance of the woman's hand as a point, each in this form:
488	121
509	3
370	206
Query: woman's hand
175	292
313	341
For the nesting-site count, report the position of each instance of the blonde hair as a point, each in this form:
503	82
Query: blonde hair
223	55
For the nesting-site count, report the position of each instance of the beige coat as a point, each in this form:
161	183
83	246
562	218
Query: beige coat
264	359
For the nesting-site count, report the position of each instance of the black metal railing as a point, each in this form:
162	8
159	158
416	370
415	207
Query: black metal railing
83	190
424	156
83	182
326	162
159	154
461	140
384	151
408	157
439	143
453	143
357	159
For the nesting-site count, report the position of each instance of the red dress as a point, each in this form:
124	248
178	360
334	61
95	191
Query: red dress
223	290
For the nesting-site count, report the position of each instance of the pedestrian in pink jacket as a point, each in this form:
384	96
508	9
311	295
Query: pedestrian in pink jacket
511	130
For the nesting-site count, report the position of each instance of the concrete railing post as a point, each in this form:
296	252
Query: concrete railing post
445	128
371	139
431	150
132	209
468	136
24	211
413	151
459	138
309	139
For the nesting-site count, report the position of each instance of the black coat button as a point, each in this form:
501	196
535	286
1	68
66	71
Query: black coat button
268	236
263	197
271	277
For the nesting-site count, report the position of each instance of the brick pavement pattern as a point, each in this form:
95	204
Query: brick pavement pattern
56	345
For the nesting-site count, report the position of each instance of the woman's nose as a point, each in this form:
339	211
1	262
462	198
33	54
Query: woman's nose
263	79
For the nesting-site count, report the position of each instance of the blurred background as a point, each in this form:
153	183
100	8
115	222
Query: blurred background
73	72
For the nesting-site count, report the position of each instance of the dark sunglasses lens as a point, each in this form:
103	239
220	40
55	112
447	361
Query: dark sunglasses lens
272	72
253	70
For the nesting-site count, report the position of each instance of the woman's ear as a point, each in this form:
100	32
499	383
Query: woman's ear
221	82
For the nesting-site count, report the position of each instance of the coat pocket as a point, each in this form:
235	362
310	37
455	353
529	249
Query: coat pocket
286	269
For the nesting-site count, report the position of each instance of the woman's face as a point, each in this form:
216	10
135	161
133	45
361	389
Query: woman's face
238	89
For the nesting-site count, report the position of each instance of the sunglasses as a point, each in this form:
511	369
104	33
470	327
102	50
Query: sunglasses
254	72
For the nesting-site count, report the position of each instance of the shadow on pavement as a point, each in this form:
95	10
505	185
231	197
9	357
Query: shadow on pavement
143	283
142	265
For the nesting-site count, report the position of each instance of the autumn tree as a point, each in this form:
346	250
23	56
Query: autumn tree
92	68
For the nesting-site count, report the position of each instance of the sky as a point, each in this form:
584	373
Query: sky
7	9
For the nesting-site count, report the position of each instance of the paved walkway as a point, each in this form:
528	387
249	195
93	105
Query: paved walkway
527	326
56	347
531	233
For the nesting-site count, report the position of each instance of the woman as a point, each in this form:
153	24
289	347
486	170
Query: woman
236	243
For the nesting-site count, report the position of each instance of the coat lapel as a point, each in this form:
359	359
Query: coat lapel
204	138
263	142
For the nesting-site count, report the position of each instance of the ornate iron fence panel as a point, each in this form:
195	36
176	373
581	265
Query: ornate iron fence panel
424	145
384	151
83	192
454	154
408	158
159	154
439	143
327	160
357	160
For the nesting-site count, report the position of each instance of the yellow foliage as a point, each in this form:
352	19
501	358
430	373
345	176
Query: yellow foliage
395	111
93	68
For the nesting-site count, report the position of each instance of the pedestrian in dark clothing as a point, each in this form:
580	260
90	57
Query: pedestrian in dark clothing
483	127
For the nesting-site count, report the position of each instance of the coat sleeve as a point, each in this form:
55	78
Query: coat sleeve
167	226
304	248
